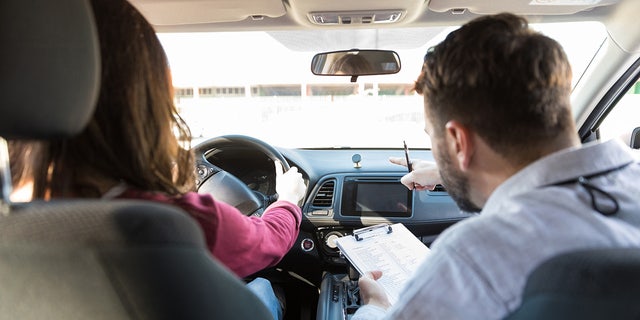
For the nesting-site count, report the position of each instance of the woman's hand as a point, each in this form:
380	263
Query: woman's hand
289	185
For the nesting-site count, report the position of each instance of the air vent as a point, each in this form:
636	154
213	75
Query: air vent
324	196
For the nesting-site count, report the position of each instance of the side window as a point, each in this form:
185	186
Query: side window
624	118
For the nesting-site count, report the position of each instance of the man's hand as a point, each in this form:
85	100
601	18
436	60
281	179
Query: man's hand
425	174
371	292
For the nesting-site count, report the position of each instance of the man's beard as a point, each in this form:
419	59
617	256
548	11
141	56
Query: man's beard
456	183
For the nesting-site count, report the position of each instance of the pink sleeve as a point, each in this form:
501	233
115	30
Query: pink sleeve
246	244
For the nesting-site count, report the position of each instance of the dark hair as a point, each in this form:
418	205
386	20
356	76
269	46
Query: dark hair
507	82
351	64
135	135
21	153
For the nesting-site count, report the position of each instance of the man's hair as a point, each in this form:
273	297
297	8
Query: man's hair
136	135
507	82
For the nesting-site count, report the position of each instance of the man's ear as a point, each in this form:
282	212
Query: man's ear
459	140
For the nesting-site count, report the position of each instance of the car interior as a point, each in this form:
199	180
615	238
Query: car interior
90	259
254	81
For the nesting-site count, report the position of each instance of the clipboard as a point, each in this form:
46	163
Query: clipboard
361	234
392	249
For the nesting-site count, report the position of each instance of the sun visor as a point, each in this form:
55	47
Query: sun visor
523	7
180	12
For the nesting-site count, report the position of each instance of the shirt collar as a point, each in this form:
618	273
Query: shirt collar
568	164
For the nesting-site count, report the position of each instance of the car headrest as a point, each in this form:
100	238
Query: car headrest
49	68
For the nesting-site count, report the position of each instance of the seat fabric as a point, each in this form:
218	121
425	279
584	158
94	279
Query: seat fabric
119	259
586	284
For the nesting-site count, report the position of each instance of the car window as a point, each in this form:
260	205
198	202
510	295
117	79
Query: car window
260	84
623	118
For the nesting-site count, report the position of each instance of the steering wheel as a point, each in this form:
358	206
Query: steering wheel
226	187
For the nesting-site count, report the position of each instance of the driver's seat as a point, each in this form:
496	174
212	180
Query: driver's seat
90	259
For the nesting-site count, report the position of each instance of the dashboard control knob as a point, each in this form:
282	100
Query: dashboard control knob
330	239
202	171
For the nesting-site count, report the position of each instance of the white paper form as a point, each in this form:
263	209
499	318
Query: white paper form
397	254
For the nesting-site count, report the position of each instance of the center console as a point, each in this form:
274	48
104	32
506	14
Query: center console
342	203
339	297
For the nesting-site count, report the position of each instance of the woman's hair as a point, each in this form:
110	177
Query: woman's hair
350	64
21	154
507	82
136	135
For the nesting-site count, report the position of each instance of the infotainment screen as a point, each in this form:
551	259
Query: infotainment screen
365	197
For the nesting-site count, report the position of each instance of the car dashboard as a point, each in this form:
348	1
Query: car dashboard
348	189
347	194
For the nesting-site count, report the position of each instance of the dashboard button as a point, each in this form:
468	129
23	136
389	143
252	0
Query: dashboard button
320	212
330	239
307	245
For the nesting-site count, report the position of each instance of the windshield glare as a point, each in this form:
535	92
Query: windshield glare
260	84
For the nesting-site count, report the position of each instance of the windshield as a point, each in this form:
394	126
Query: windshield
260	84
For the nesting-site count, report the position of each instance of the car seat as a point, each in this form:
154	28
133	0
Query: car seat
586	284
635	139
90	259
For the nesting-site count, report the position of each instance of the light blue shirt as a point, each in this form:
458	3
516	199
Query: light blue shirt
478	267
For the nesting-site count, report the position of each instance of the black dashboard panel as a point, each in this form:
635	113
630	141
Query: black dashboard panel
341	202
344	196
343	193
336	182
375	197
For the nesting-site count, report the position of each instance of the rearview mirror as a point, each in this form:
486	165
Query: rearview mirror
355	63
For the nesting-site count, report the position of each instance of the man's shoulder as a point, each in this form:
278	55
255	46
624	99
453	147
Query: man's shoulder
544	215
468	230
526	214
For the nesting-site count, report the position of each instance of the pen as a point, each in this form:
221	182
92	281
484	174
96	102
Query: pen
409	167
406	155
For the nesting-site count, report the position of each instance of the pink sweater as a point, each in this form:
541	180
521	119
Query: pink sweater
244	244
